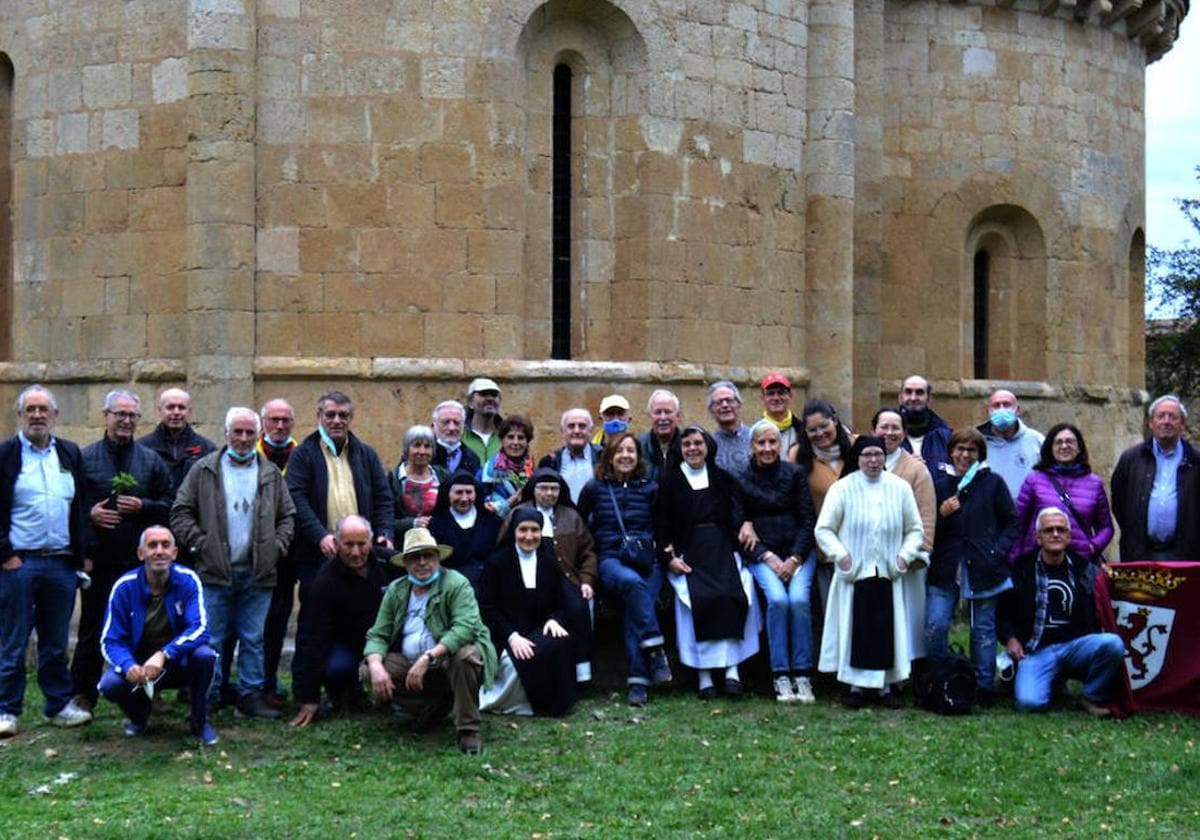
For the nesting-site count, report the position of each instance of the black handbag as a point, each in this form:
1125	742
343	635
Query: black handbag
637	550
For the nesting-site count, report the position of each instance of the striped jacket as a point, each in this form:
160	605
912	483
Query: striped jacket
125	617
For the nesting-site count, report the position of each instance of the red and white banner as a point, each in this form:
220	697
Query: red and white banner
1155	609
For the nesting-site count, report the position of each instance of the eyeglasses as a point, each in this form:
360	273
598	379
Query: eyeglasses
1056	529
725	401
123	415
337	415
1070	442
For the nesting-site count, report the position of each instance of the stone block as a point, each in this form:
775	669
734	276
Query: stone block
292	205
209	28
381	250
277	333
281	8
468	293
106	211
64	89
322	75
447	163
357	205
405	35
374	75
114	336
495	252
390	334
278	250
288	293
280	121
219	333
452	333
107	85
439	252
168	80
221	191
333	120
71	134
64	213
458	205
327	250
443	78
40	138
120	130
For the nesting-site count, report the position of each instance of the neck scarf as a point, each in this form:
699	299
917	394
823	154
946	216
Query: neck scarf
782	425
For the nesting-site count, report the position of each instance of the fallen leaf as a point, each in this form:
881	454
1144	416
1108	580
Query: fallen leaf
51	753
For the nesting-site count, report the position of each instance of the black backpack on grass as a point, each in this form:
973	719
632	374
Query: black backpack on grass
948	687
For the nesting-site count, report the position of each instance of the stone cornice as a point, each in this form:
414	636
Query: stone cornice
1153	23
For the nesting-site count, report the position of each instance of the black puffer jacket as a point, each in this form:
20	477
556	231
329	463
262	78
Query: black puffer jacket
637	499
981	532
777	502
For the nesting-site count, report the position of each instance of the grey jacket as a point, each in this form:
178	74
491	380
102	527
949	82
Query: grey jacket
198	520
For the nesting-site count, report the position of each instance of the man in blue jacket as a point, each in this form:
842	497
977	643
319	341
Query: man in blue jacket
156	637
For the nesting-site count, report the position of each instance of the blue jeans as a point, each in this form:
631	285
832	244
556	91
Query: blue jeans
194	672
282	599
40	595
243	608
641	624
939	612
789	615
1094	658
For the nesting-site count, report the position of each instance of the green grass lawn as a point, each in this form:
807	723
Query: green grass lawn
750	767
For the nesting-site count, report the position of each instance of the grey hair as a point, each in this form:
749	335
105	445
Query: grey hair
262	412
1164	398
35	389
351	519
335	397
562	421
110	399
455	404
723	383
662	392
756	431
149	528
232	413
1050	511
414	434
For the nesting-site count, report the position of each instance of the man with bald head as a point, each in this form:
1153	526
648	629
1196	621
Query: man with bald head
1156	489
1012	447
174	439
928	435
345	598
234	519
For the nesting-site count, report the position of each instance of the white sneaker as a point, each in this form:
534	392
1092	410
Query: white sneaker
804	692
8	725
783	690
71	715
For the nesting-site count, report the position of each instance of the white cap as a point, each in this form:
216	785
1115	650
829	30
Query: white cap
482	383
614	401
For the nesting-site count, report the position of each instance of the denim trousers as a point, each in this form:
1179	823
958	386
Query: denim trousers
939	612
241	609
789	615
640	627
40	595
283	598
1093	658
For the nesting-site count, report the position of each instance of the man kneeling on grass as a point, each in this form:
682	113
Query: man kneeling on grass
1048	620
428	648
156	637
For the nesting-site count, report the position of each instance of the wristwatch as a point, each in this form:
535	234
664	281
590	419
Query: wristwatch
429	655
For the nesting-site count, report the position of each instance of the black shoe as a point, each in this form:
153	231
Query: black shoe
254	705
984	698
733	688
660	669
469	743
891	700
854	700
638	695
707	693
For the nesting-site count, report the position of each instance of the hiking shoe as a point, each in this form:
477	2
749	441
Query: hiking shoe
134	730
253	705
638	695
783	689
72	714
205	732
804	692
660	669
469	743
8	725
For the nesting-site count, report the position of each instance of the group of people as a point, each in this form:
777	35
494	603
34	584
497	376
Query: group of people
465	579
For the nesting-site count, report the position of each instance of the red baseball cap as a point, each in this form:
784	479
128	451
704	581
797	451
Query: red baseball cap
776	379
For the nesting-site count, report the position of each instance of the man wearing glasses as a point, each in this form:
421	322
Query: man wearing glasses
1048	623
331	475
731	434
117	513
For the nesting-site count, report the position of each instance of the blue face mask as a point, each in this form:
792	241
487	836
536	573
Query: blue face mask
238	458
1003	418
429	580
615	426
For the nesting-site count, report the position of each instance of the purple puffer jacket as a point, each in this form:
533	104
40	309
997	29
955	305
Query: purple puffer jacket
1087	495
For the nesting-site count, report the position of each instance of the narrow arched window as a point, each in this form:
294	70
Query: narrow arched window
560	276
982	266
6	214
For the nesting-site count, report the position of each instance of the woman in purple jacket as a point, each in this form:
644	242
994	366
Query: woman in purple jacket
1063	479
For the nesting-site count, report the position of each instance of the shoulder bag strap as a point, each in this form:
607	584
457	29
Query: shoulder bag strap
617	508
